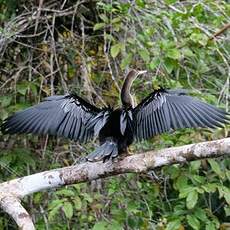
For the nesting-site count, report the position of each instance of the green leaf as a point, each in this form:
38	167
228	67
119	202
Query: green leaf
228	174
119	214
115	50
169	65
209	187
140	3
154	63
227	210
33	88
184	191
104	18
215	167
187	52
173	53
126	61
193	222
195	165
77	202
37	198
115	225
101	225
22	88
198	179
87	197
3	114
181	182
68	209
144	53
210	226
99	26
170	1
132	207
173	171
54	211
65	192
202	39
173	225
116	20
109	37
224	192
5	100
191	199
201	214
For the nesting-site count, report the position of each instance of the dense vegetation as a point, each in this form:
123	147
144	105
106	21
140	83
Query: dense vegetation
86	47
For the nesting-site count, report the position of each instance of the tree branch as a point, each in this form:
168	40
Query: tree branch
220	31
11	192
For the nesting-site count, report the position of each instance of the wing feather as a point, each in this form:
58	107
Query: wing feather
166	110
69	116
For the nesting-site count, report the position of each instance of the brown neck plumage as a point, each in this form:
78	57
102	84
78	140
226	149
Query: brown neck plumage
126	97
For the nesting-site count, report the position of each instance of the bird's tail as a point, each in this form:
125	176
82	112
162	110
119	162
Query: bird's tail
108	150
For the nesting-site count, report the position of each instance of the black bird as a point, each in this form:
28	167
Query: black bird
72	117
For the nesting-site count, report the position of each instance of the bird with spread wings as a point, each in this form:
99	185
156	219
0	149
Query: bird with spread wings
72	117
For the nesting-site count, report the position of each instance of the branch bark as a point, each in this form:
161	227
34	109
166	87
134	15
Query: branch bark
11	192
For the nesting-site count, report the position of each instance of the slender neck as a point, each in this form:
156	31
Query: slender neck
126	97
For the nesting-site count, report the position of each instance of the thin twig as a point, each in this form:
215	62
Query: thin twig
220	31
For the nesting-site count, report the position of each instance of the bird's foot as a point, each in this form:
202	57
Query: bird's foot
124	153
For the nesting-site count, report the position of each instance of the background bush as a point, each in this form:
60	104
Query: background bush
54	47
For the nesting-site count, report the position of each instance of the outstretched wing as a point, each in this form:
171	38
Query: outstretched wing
165	110
69	116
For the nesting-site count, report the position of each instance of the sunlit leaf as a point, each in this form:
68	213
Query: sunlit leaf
191	199
54	211
101	225
227	210
201	214
22	88
126	61
185	190
115	49
193	222
5	100
210	226
65	192
195	165
144	53
169	65
173	225
68	209
99	26
77	202
104	18
116	20
173	53
154	63
216	167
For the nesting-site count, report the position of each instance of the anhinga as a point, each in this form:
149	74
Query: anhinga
72	117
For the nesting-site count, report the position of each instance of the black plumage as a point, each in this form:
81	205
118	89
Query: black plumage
72	117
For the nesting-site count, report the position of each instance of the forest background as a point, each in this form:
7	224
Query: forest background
87	46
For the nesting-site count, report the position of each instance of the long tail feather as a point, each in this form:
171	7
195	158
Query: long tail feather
106	151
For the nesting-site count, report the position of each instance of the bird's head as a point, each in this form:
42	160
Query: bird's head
133	74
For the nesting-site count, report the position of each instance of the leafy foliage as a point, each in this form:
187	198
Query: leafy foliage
86	47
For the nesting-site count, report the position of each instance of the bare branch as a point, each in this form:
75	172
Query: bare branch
12	191
219	32
12	205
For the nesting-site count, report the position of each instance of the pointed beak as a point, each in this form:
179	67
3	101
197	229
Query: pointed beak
139	72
